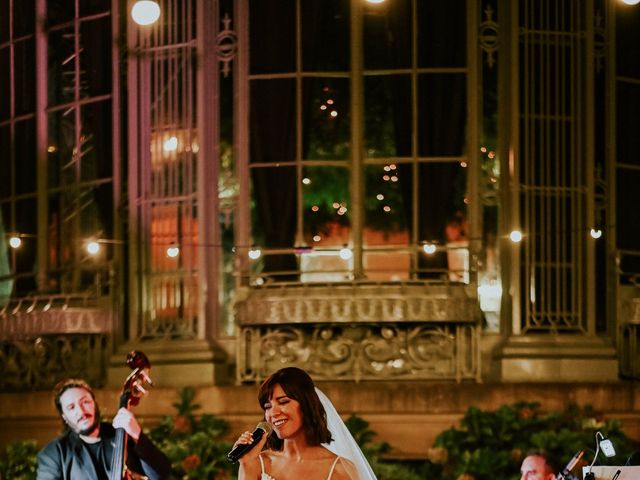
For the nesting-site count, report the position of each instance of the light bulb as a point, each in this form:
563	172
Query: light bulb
429	248
255	253
346	253
15	242
516	236
145	12
93	247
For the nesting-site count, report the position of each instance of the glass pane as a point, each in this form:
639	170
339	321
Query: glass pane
90	7
325	35
627	213
273	121
442	218
62	165
387	204
96	147
7	165
628	123
25	157
442	110
23	17
59	11
25	257
442	30
387	34
387	116
325	204
5	84
272	36
326	119
95	58
25	96
4	20
61	66
6	256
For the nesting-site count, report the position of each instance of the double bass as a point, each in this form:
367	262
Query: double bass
135	387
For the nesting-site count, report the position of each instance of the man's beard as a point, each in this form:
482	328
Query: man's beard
94	425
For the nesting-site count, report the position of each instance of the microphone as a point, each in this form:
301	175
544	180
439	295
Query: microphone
239	450
566	471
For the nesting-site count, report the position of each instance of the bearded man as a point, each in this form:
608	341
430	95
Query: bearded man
85	450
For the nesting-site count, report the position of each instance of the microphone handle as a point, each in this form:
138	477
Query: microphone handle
239	450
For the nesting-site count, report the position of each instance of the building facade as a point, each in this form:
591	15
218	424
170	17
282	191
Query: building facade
410	190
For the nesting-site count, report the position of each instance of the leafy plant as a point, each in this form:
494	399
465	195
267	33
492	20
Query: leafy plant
19	460
193	444
492	444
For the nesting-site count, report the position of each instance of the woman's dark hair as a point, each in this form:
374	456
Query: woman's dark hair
297	384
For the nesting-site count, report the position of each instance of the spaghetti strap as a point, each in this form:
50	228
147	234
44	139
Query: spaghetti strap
261	464
333	466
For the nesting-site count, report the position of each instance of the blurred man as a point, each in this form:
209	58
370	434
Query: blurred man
86	448
538	465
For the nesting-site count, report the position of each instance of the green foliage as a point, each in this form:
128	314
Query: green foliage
492	444
19	460
193	444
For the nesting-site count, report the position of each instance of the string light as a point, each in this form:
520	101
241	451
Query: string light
346	253
516	236
254	253
631	2
429	248
173	251
93	247
145	12
596	232
15	242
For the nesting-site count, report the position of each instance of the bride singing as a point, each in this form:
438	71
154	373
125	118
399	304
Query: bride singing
309	439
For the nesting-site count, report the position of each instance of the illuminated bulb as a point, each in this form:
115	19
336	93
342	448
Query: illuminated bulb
145	12
386	208
306	181
255	253
386	178
333	113
336	205
387	168
375	1
596	232
170	144
392	166
429	248
51	148
316	238
463	164
93	247
15	242
323	107
346	253
329	102
380	196
631	2
394	178
515	236
173	252
315	208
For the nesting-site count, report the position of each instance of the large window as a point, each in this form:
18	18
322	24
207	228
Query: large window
359	159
